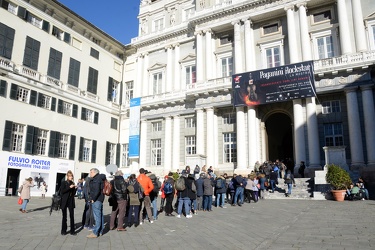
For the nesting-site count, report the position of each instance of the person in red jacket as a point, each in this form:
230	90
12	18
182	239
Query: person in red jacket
147	185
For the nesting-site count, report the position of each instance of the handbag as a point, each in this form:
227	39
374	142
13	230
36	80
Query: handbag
20	201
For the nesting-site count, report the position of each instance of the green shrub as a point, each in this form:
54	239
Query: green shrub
338	177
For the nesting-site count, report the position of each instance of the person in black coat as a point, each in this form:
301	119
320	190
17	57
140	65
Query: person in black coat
67	191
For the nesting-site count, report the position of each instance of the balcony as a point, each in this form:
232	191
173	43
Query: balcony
163	99
27	72
212	86
6	64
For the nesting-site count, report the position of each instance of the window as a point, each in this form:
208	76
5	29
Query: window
89	115
230	147
74	68
63	146
34	20
9	6
94	53
270	29
31	54
22	94
112	153
273	57
226	66
190	145
156	152
67	108
325	47
188	13
158	24
41	142
373	36
333	134
54	63
229	118
129	91
157	83
96	41
225	40
191	76
46	102
86	156
157	126
331	107
17	137
67	37
125	155
112	94
272	54
6	41
322	16
3	88
57	32
114	122
92	82
190	122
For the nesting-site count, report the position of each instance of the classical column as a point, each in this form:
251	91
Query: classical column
252	136
168	84
369	116
208	54
299	132
176	142
139	87
292	37
199	56
359	28
305	38
237	47
264	138
145	79
200	132
143	146
249	45
168	144
355	135
345	34
177	70
312	133
210	147
241	140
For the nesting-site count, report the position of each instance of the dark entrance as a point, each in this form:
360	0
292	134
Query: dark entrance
59	178
280	137
13	178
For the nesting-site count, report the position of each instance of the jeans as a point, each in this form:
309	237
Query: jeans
199	202
186	202
132	209
24	204
87	216
207	202
154	208
273	184
220	199
290	188
97	209
239	194
146	203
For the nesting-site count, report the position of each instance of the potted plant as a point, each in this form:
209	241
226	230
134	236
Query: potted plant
339	180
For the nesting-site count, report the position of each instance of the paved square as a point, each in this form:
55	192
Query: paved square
268	224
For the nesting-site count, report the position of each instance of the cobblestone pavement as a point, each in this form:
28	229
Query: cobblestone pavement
268	224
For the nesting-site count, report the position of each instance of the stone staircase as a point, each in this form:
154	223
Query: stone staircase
302	190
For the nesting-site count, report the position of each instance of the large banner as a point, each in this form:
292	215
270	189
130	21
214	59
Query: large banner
278	84
134	120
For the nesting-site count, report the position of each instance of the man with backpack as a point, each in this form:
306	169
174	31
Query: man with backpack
184	194
289	180
154	194
240	183
220	188
169	191
148	187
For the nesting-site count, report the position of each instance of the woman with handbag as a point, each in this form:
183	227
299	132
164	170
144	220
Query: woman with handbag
25	193
68	191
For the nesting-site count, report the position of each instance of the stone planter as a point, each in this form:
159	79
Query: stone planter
338	195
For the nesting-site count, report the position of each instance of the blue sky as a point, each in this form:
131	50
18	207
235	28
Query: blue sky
118	18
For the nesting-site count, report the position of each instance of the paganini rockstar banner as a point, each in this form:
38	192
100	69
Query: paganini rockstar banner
277	84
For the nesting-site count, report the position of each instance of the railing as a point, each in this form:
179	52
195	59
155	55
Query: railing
344	60
71	88
53	81
165	97
27	72
6	64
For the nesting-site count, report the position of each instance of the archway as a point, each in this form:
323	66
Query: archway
280	137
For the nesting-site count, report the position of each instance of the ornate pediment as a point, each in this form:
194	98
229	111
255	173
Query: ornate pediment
188	58
157	66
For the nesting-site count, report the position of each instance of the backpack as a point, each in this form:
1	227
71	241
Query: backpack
219	183
193	187
168	188
239	180
287	177
180	184
231	186
157	185
56	202
107	188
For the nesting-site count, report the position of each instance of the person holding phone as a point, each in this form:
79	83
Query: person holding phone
68	191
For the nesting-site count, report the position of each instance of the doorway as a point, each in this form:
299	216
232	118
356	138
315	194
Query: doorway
280	137
59	179
13	178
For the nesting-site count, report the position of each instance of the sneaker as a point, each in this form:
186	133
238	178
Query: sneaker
90	228
140	223
92	236
195	212
223	207
178	216
189	216
151	221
